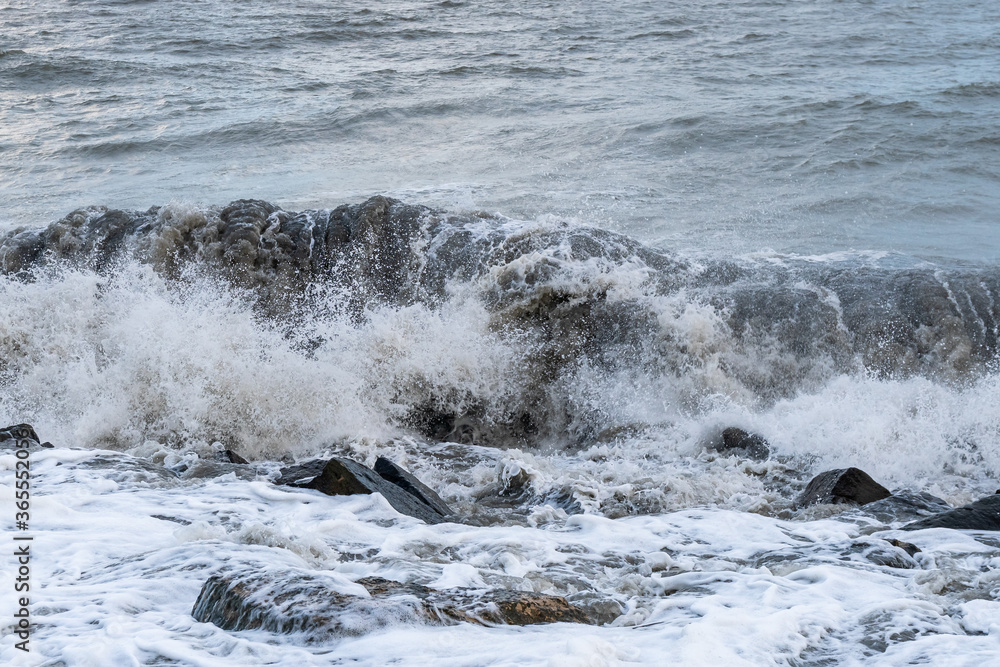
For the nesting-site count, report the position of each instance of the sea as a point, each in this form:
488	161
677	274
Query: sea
540	254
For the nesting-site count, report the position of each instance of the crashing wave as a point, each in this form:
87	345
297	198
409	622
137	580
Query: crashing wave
480	329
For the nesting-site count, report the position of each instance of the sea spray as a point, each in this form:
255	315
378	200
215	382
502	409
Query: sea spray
279	333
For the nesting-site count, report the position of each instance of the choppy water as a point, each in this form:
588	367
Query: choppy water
777	216
741	125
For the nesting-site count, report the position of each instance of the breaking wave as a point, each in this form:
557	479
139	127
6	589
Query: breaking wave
279	332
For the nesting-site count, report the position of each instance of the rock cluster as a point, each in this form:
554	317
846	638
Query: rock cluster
854	486
319	606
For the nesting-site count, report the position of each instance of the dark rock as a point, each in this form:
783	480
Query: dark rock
301	601
391	472
905	506
911	549
984	514
562	499
515	493
516	485
233	457
207	469
19	432
295	601
895	556
737	441
20	436
845	485
174	519
301	474
122	468
343	477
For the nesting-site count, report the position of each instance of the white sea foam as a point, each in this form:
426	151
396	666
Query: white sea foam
119	567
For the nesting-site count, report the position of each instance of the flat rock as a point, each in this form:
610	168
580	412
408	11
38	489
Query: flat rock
983	514
845	485
390	471
737	441
495	607
301	474
906	506
344	477
208	469
300	601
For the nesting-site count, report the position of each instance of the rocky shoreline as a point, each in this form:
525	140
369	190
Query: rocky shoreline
309	603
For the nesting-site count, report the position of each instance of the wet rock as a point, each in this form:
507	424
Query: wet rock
299	601
495	607
984	514
562	499
515	494
391	472
894	556
296	601
845	485
233	457
20	436
173	519
910	549
599	610
208	469
737	441
126	469
301	474
343	477
906	506
19	432
517	608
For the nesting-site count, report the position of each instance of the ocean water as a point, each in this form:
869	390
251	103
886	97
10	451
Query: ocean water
541	255
738	125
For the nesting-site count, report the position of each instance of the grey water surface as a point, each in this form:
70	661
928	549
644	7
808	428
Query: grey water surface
714	126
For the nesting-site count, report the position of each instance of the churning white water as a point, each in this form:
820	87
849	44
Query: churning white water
651	222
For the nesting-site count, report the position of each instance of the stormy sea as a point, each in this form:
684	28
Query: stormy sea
464	333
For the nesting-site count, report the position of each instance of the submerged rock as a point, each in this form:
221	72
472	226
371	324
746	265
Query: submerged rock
302	601
344	477
983	514
898	555
202	469
906	506
910	549
845	485
737	441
